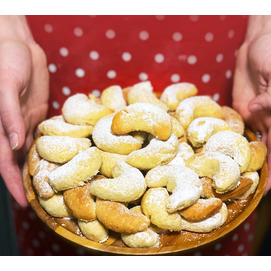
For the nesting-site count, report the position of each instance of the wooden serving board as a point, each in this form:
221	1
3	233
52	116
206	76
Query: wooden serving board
170	243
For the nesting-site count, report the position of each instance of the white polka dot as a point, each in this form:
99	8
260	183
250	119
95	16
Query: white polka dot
222	17
197	253
241	248
36	242
126	56
80	251
80	72
228	74
29	251
177	36
48	28
55	247
192	60
205	78
235	237
160	17
111	74
194	18
94	55
41	234
144	35
96	93
246	226
231	34
216	97
218	246
25	225
52	68
159	58
175	78
143	76
63	51
250	237
66	91
55	105
78	31
236	53
32	215
219	58
110	34
209	36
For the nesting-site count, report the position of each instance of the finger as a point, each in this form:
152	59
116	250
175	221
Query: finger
261	102
10	170
11	116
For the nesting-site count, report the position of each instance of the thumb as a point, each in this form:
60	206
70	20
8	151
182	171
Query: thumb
261	101
11	115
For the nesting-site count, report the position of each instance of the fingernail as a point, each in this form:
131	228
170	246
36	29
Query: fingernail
13	140
256	107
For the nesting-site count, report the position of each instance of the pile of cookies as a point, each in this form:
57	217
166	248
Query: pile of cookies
140	165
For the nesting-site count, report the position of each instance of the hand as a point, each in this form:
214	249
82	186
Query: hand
252	88
24	93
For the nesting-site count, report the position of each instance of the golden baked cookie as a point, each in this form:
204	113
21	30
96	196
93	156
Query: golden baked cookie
258	155
231	144
80	110
33	157
128	184
80	202
142	117
40	178
195	107
55	206
212	223
154	204
185	151
201	210
143	93
105	140
255	178
201	129
61	149
117	217
112	98
156	153
94	230
173	94
234	119
57	126
76	172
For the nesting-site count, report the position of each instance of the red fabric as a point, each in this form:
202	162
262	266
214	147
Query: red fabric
89	53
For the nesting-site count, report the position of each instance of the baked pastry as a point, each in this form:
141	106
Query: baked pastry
80	110
173	94
258	155
112	98
143	93
142	117
105	140
128	184
57	126
76	172
117	217
231	144
195	107
234	119
61	149
156	153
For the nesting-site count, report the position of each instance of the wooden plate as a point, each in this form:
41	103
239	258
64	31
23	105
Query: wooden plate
170	243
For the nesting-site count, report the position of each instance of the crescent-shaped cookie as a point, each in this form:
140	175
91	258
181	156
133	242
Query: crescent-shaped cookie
80	110
232	144
173	94
143	93
105	140
195	107
128	184
142	117
234	119
157	152
201	129
61	149
117	217
258	155
154	204
76	172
